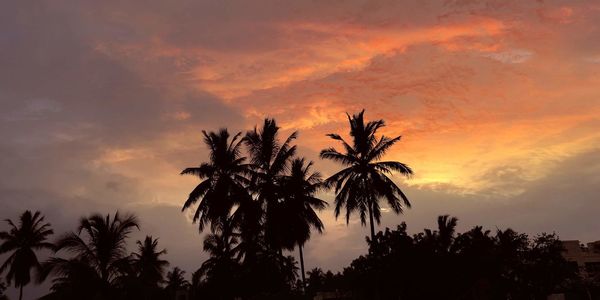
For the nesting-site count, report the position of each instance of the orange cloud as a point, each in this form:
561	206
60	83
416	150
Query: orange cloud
475	90
342	47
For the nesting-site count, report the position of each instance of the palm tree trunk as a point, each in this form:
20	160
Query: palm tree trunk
371	221
302	268
21	293
587	291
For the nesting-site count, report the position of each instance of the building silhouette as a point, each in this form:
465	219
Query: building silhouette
587	257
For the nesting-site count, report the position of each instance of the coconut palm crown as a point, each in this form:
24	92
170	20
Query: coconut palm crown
270	160
365	179
223	181
23	240
148	263
100	242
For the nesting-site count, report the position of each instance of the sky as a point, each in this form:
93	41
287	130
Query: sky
102	104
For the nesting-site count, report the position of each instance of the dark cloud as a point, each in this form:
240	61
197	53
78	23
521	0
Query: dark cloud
54	78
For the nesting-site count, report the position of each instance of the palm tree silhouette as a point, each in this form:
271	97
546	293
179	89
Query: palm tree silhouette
176	281
298	210
100	259
248	219
74	279
440	241
221	270
446	229
364	180
24	240
147	263
223	247
223	184
270	159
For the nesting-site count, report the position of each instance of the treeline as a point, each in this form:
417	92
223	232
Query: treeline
92	262
440	264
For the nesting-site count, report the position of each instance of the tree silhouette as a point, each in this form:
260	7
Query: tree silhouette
441	239
100	260
2	289
246	206
248	219
23	240
364	180
73	279
147	262
297	212
270	159
271	276
176	281
220	271
475	265
223	184
446	227
433	264
315	281
147	270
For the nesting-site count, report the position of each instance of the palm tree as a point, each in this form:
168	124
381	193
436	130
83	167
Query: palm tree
147	263
223	248
299	216
176	281
364	179
221	270
446	230
99	249
223	181
24	240
270	160
74	279
440	240
247	218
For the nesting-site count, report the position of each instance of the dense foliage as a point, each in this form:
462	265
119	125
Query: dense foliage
98	266
439	264
258	206
2	289
433	264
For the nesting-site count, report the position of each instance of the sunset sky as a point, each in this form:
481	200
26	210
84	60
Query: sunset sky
102	104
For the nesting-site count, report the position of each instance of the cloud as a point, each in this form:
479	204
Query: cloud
511	57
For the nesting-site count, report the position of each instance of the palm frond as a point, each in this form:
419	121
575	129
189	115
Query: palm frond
333	154
384	144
